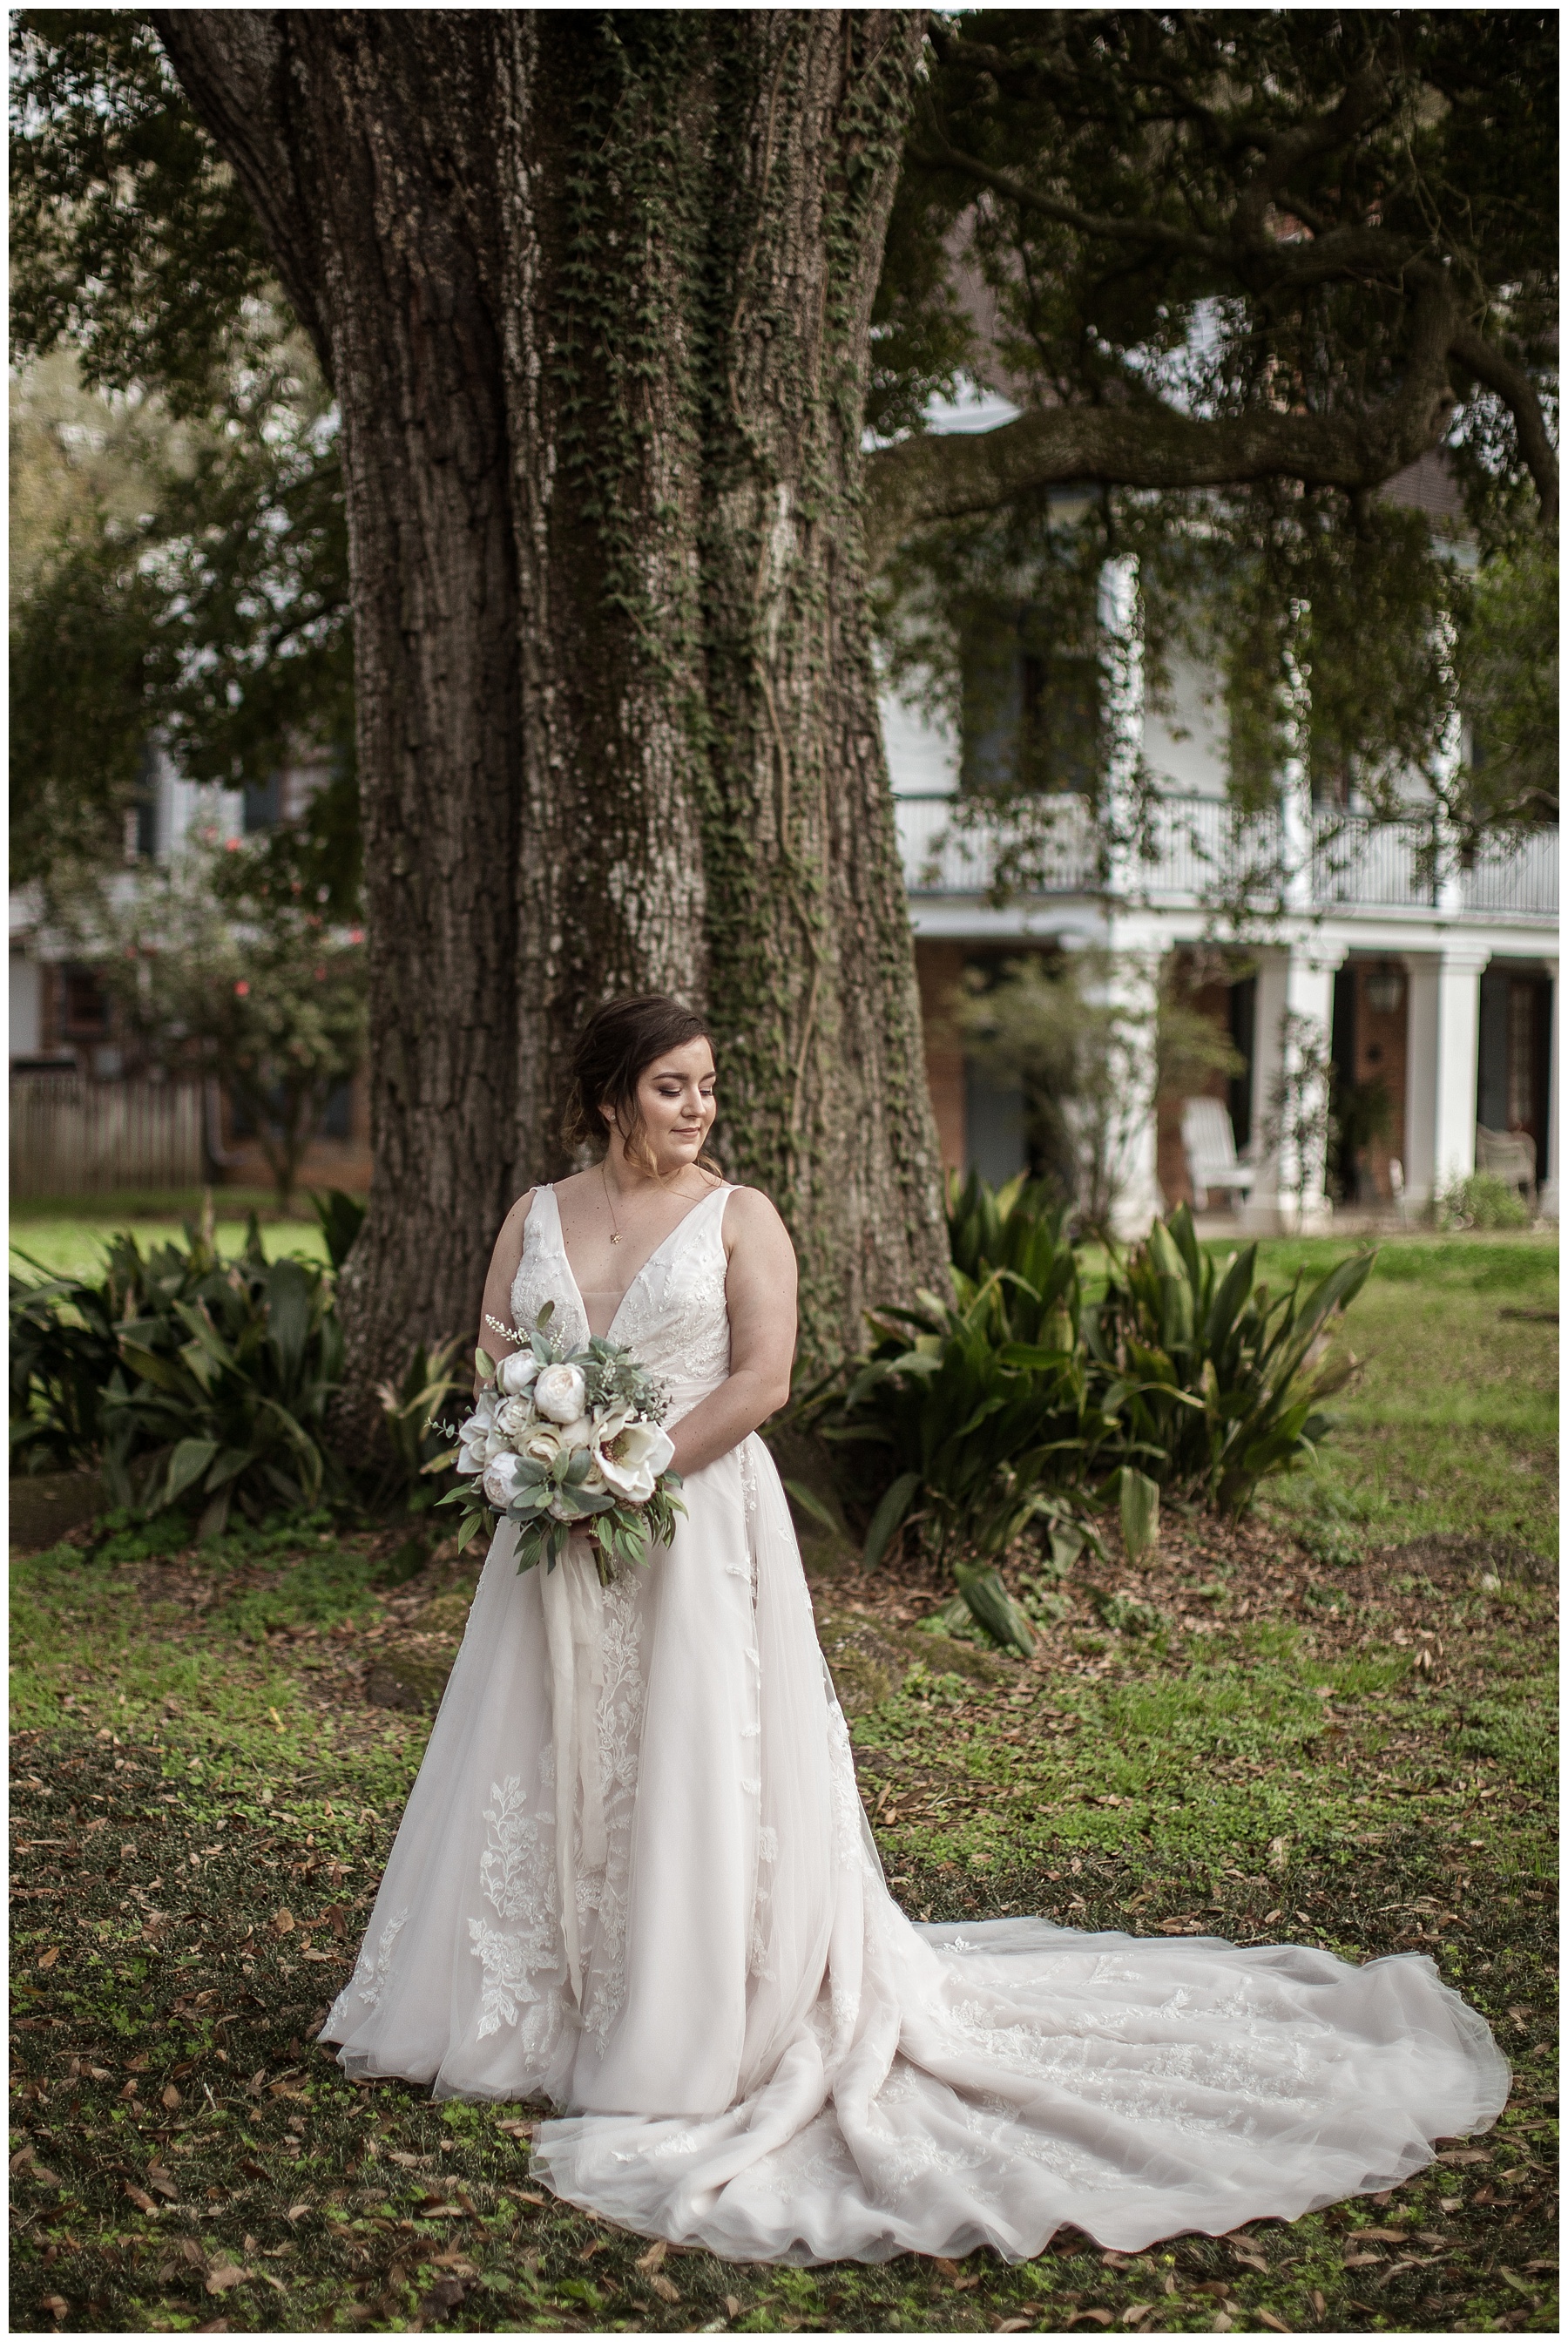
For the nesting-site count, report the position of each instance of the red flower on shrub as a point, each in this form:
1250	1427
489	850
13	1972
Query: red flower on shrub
242	988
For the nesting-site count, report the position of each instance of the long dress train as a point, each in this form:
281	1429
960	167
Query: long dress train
634	1878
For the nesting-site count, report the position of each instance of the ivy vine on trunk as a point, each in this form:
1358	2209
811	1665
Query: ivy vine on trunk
593	291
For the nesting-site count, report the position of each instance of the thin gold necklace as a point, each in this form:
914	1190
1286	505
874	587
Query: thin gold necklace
614	1231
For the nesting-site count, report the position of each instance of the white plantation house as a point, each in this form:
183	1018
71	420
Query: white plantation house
1371	940
1438	980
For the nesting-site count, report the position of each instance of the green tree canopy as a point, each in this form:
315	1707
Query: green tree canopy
1238	269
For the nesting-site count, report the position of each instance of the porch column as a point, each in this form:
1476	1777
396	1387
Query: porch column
1131	1133
1443	1042
1458	1048
1289	1133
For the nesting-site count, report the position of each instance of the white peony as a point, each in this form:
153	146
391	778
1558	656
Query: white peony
515	1372
543	1444
580	1433
631	1457
500	1482
561	1393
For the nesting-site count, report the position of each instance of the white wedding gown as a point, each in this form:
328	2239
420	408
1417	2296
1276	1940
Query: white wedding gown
635	1879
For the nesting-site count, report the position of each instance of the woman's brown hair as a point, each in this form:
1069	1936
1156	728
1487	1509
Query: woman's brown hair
614	1049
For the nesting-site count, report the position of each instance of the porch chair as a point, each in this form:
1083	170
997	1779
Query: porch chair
1211	1147
1509	1155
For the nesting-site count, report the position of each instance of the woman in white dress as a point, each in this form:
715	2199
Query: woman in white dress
634	1878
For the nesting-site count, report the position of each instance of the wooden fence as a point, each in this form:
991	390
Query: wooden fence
74	1138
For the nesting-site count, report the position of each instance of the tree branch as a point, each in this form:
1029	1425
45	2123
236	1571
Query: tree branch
1365	96
1153	445
1471	351
949	157
232	65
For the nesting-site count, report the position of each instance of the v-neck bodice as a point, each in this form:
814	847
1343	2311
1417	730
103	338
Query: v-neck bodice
674	1314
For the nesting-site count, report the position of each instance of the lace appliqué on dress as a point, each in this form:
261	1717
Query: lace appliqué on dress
517	1875
603	1894
370	1975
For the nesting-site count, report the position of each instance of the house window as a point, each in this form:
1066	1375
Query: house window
84	1006
1031	715
263	804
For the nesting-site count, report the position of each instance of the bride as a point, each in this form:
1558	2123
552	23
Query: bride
635	1877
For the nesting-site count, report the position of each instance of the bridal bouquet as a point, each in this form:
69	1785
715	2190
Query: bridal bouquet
557	1444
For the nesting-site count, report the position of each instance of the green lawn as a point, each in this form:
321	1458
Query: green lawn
1337	1724
69	1238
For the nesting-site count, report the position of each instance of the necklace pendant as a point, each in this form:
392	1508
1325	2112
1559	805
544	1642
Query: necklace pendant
614	1239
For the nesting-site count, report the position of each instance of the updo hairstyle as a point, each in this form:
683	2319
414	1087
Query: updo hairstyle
613	1050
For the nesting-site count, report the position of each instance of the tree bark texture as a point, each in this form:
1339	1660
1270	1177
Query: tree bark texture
594	290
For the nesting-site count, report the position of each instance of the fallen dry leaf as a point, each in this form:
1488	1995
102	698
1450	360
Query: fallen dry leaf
221	2280
283	1921
141	2199
654	2258
663	2289
50	1957
171	2096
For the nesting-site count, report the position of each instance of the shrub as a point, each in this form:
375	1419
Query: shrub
197	1380
1212	1385
64	1347
409	1412
1481	1201
976	1410
340	1218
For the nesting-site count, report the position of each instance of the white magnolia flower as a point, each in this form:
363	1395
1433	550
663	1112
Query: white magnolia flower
515	1372
475	1436
632	1457
513	1417
500	1483
560	1392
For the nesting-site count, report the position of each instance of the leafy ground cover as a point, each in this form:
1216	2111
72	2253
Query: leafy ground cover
1343	1735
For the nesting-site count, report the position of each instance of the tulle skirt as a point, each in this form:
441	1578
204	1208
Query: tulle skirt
756	2050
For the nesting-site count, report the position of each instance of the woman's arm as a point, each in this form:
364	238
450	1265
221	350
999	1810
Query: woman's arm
760	1291
495	1309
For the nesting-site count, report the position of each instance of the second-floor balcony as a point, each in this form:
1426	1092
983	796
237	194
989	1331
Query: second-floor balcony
1198	855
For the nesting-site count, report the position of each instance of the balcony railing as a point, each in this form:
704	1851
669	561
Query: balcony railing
1201	854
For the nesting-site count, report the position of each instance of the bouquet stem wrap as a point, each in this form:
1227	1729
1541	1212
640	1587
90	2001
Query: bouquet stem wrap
573	1603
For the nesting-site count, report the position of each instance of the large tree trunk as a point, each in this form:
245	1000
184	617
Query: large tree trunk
593	291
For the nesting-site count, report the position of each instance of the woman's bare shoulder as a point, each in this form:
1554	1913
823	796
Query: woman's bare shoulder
512	1226
751	1217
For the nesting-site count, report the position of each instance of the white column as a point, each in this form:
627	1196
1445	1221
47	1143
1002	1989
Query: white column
1122	664
1549	1189
1295	789
1294	1021
1132	1134
1458	1040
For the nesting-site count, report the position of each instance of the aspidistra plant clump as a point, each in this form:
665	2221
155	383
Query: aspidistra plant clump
1214	1382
